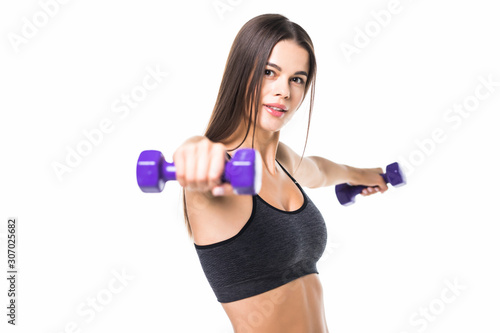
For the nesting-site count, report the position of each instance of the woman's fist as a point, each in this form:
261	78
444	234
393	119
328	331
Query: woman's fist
199	165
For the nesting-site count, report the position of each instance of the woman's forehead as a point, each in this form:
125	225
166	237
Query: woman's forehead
289	56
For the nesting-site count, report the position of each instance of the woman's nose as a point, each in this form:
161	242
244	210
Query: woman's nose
281	89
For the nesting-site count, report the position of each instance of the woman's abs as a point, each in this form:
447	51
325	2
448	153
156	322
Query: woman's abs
294	307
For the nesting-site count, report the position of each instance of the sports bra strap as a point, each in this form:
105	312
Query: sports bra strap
289	175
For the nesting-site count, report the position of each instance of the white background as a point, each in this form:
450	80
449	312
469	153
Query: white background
388	255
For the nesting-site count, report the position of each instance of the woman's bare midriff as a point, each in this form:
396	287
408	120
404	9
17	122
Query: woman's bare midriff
296	307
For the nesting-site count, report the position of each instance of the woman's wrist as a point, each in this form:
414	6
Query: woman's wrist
353	175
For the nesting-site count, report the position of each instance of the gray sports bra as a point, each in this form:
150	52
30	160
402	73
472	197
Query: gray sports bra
273	248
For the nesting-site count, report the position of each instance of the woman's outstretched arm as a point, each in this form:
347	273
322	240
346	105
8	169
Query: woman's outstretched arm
315	171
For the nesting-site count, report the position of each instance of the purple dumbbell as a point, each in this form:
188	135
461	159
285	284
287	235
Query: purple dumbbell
393	175
243	171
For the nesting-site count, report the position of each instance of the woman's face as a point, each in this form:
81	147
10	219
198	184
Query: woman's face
283	86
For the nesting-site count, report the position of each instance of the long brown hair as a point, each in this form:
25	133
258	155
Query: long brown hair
242	80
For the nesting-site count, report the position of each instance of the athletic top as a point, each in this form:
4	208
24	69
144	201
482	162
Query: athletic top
273	248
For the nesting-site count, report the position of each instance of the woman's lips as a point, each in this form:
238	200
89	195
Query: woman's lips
277	110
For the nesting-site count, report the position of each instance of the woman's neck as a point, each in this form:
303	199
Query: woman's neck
266	143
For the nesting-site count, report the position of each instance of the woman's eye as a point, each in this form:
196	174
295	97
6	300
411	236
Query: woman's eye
269	72
298	80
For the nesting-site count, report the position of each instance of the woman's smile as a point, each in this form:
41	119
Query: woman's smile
276	110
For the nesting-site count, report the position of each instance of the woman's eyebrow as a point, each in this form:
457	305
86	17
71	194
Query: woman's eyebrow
279	68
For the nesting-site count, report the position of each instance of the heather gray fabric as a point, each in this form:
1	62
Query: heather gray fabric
273	248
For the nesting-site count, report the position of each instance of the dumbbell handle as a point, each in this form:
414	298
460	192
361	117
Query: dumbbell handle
168	171
357	189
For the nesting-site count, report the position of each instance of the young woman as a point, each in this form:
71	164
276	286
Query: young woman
259	253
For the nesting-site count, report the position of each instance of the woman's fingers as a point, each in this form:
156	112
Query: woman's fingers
200	165
374	181
222	190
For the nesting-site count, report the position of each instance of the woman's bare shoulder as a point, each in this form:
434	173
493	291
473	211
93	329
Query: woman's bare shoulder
286	156
302	168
